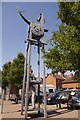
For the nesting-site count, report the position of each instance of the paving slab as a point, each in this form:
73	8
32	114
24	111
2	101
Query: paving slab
12	110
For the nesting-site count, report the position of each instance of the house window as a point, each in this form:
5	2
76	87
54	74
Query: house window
77	87
51	91
70	88
64	88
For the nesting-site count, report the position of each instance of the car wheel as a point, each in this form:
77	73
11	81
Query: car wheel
69	107
73	107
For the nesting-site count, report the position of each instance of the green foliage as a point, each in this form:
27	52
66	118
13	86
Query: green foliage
65	54
13	71
5	72
69	13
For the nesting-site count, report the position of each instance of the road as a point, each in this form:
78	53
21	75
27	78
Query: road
12	110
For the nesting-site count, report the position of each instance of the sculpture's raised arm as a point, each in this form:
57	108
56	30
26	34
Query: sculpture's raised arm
42	20
25	19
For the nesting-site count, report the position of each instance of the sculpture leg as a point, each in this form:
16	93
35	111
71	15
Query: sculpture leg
44	90
2	101
24	80
25	75
38	78
27	84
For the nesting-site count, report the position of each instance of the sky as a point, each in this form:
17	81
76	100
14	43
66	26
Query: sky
0	35
14	29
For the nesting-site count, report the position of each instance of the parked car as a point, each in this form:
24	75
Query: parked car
63	96
49	89
41	97
51	98
60	96
74	101
15	98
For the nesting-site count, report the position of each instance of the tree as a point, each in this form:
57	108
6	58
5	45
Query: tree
65	54
69	13
15	75
13	71
5	72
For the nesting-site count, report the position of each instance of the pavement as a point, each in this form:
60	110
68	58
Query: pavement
12	110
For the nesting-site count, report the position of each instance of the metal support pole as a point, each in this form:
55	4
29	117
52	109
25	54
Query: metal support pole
44	88
27	84
44	80
24	78
38	77
24	81
2	101
28	71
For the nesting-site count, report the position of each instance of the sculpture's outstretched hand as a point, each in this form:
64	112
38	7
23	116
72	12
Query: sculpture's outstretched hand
24	18
19	10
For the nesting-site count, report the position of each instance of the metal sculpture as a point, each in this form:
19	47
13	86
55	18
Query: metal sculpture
35	33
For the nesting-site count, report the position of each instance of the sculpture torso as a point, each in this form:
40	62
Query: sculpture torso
37	30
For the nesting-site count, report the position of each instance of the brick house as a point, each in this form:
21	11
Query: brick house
59	81
71	83
55	80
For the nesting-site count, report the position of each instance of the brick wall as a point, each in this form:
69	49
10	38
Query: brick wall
74	85
51	80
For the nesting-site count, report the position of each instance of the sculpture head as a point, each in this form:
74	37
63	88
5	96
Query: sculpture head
37	30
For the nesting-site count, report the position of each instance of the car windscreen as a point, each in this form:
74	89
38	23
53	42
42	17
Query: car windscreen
77	94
